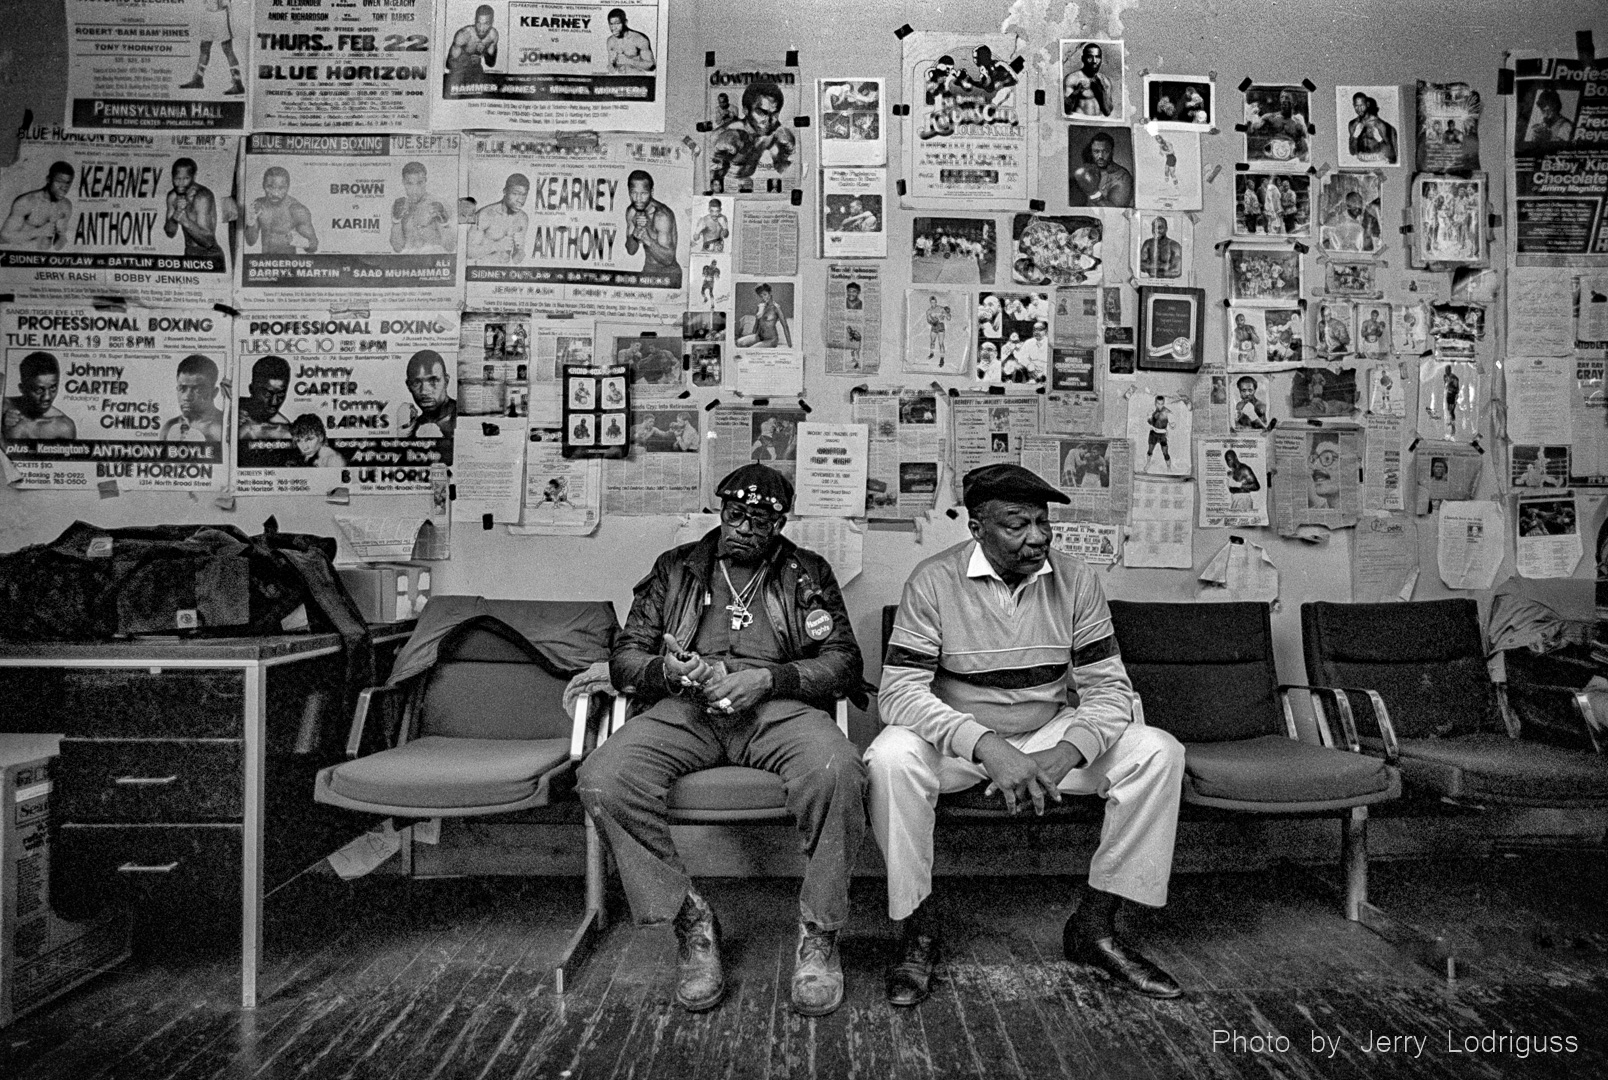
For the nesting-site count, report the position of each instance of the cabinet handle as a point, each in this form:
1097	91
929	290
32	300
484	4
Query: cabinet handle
136	868
150	781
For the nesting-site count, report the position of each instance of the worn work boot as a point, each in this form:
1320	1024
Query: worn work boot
817	971
700	982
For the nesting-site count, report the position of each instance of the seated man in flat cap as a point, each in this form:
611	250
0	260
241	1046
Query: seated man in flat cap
991	639
735	649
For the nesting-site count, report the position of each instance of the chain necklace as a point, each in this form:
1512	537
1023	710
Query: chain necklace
740	615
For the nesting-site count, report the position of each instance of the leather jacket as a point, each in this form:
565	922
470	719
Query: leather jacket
799	592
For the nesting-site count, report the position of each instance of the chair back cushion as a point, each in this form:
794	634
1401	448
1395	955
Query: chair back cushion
1204	671
488	682
1426	659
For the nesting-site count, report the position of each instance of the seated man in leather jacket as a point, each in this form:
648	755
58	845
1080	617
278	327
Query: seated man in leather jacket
734	650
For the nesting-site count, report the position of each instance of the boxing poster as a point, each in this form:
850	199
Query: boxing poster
367	403
751	146
144	216
114	400
1558	193
592	225
969	139
568	65
158	64
330	66
350	221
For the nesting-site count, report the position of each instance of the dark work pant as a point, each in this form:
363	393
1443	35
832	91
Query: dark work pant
623	785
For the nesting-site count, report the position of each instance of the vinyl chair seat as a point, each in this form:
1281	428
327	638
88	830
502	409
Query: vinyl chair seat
728	792
1495	768
1274	773
442	776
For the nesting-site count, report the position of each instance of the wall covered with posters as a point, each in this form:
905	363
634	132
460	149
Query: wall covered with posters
1176	288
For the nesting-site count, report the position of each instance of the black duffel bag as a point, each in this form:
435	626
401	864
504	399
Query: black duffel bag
94	584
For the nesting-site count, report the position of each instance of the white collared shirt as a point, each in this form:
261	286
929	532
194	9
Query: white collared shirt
978	566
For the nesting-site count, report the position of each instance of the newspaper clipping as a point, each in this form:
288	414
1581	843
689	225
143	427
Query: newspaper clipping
988	430
366	403
115	400
1096	474
1094	543
1558	115
752	146
1445	471
662	473
563	496
1382	472
1549	543
146	64
350	221
495	365
853	129
767	239
329	67
740	434
1472	544
853	319
969	141
1319	479
566	64
577	225
1233	482
1384	559
140	216
853	222
906	449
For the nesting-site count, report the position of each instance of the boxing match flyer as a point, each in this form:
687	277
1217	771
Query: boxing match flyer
158	64
1558	191
575	65
585	224
115	400
350	221
969	142
751	146
141	216
362	402
326	65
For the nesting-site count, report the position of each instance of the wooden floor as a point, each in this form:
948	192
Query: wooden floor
387	978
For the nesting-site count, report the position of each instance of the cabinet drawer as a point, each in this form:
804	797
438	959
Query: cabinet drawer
139	780
183	871
127	702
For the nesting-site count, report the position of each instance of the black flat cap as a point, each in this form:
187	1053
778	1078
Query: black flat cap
757	485
1009	482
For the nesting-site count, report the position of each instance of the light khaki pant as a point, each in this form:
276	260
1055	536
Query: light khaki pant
1140	778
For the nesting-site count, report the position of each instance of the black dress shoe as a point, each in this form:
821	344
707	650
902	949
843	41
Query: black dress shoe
910	980
1121	962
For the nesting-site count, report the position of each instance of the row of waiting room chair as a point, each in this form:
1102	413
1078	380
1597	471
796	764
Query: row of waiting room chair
472	723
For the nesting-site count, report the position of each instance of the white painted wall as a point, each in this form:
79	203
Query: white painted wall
1338	41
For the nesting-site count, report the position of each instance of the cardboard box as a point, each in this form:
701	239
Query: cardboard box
41	956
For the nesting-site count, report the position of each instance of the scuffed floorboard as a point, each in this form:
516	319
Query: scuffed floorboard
450	979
